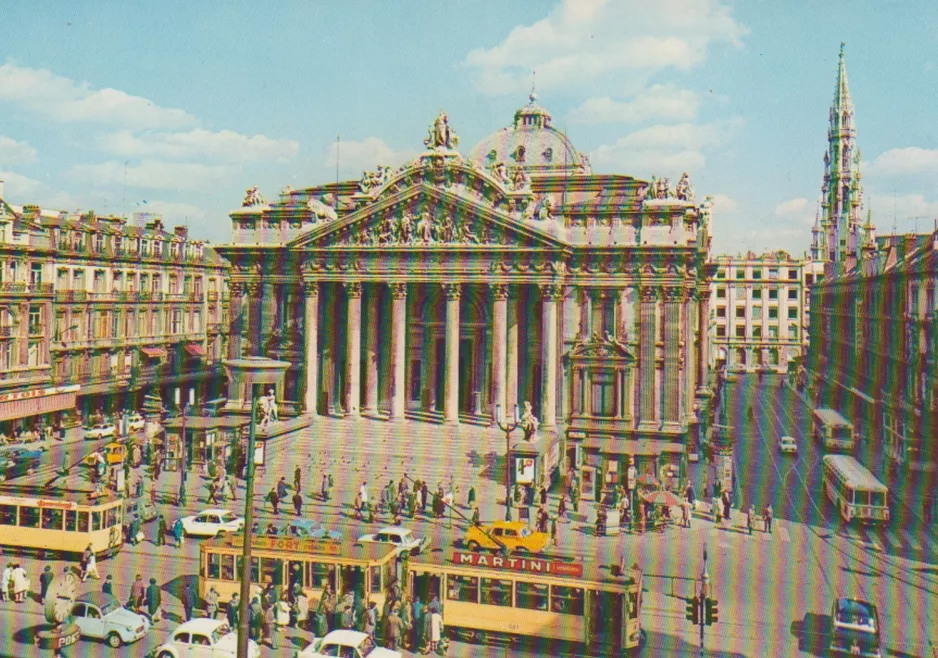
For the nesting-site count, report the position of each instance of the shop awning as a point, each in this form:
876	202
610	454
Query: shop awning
34	406
643	447
154	352
195	349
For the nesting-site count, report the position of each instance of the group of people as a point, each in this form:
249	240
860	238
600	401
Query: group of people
14	582
279	492
398	500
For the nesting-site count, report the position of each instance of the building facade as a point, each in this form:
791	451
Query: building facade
760	311
103	311
455	286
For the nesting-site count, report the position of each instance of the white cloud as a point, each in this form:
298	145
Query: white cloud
905	161
15	152
791	207
582	42
723	203
657	103
224	145
152	174
903	209
365	154
173	213
60	99
18	187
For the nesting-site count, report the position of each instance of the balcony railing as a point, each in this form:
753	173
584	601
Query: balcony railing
6	332
212	296
71	296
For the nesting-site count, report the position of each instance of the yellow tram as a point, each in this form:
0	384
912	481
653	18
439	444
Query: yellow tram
524	597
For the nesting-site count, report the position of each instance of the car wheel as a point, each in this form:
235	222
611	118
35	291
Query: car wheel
522	550
165	654
113	640
473	546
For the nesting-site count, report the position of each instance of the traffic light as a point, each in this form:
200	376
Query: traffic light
711	615
693	610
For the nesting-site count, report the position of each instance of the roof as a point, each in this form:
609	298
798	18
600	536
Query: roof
214	510
856	472
99	599
831	417
202	625
345	637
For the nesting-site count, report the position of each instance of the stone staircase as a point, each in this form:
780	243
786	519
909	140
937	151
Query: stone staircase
436	417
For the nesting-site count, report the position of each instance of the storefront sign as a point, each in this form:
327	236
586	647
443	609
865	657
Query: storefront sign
23	404
292	544
38	393
527	564
524	470
57	504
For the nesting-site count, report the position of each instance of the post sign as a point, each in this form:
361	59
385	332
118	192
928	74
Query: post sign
526	564
524	470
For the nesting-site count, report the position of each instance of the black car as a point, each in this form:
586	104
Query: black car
15	462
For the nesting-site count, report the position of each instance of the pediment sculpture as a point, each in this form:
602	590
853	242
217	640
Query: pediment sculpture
440	134
423	228
253	197
374	179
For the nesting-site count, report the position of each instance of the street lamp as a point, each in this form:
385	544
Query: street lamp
182	460
507	428
704	594
254	371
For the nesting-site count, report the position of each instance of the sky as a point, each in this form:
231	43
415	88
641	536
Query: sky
176	107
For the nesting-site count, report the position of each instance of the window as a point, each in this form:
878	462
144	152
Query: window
566	600
98	242
532	596
773	313
157	247
176	325
773	331
721	292
35	320
29	517
603	394
35	275
83	521
213	568
95	521
320	574
792	274
51	519
7	514
721	273
757	293
740	331
773	273
721	332
496	591
740	311
375	579
71	520
756	273
740	272
756	312
792	293
792	313
227	567
808	279
463	588
773	293
757	332
721	311
793	331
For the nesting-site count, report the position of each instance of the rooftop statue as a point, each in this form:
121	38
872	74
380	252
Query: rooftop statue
253	197
519	180
529	423
440	134
684	191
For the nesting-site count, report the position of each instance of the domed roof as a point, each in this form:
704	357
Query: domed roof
531	143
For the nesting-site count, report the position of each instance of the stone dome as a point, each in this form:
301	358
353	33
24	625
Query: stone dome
530	143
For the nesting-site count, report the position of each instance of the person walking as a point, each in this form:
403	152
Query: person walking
138	592
691	495
233	487
471	498
154	599
767	518
575	498
268	626
20	583
296	478
476	520
424	495
301	610
274	500
233	611
715	505
436	629
553	530
6	582
281	620
726	504
562	507
45	579
211	603
324	488
371	619
543	494
750	518
256	621
298	502
282	488
685	514
91	566
393	628
108	585
161	531
179	534
188	600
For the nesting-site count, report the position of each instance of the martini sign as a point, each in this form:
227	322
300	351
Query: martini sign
525	564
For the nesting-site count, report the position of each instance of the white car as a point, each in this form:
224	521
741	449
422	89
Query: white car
405	540
788	444
204	638
100	431
347	644
102	617
211	523
135	422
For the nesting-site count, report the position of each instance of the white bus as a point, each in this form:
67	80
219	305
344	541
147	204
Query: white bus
854	490
834	431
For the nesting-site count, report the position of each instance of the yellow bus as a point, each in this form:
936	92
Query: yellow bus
524	598
57	523
344	565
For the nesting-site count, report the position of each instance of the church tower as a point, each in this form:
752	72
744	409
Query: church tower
839	234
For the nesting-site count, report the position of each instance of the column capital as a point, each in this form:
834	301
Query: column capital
453	291
551	292
353	288
649	294
703	294
499	291
311	288
253	288
237	288
398	290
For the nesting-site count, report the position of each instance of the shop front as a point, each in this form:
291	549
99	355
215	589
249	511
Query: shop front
41	407
208	440
535	463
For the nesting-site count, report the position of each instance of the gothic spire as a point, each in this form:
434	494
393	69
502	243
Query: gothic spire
842	100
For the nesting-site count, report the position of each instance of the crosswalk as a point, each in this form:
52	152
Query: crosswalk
889	539
779	532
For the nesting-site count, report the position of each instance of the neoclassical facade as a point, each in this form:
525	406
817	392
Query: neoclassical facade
455	285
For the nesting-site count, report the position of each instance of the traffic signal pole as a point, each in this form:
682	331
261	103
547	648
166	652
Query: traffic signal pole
701	600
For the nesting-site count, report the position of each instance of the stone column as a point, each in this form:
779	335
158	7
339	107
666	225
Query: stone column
499	345
237	320
254	317
451	368
353	290
550	295
673	300
311	326
703	347
688	364
586	309
511	351
269	319
648	331
398	350
371	351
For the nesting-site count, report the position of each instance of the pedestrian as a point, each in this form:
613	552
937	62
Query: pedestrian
210	499
685	514
296	478
471	499
767	517
233	611
274	500
363	493
108	586
347	621
281	621
323	488
256	621
326	607
575	498
161	531
411	504
475	516
392	629
543	493
282	488
179	534
268	625
691	495
726	505
298	502
154	600
562	507
715	505
233	487
553	530
424	494
211	603
371	619
136	535
436	629
45	579
188	600
301	610
20	583
138	591
750	518
91	566
425	629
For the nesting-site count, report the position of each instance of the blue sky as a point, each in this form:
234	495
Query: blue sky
177	107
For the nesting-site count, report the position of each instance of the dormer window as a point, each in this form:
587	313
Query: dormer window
157	248
518	155
98	242
548	154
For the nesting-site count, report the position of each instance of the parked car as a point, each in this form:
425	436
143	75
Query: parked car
348	644
788	444
405	540
100	616
135	422
204	638
515	535
309	529
15	462
211	523
142	508
99	431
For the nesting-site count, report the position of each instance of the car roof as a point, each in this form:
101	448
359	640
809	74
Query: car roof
99	599
516	525
202	625
214	510
345	637
393	528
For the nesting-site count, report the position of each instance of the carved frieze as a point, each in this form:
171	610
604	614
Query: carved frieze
426	228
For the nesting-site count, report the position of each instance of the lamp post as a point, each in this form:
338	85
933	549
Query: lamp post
704	593
182	459
254	371
507	427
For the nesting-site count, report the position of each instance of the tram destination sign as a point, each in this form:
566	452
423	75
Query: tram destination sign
290	544
515	563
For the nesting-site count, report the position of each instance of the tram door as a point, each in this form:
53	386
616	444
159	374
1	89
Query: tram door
425	585
352	579
604	619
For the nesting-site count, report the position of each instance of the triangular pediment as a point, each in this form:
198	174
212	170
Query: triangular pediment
607	348
427	216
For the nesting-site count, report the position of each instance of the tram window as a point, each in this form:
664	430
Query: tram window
566	600
51	519
214	565
255	570
862	497
532	596
463	588
496	591
320	574
110	518
95	521
7	514
227	567
71	520
878	498
633	605
29	517
83	522
376	579
272	571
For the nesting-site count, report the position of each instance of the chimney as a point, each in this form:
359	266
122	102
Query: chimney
1	188
181	232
